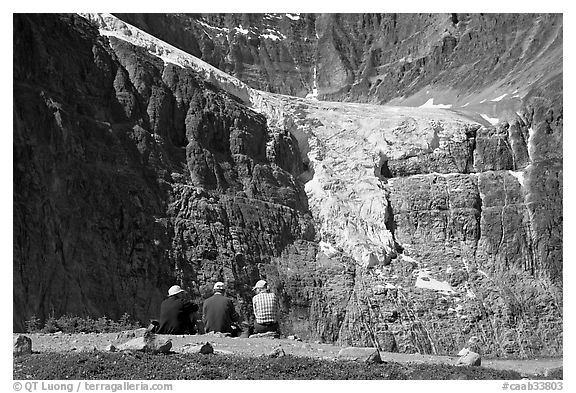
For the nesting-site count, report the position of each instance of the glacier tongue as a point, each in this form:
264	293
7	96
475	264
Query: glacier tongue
344	145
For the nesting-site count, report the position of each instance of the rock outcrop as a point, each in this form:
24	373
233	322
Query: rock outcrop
132	173
363	355
137	165
22	345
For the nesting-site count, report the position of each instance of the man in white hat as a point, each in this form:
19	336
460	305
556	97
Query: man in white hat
218	311
265	305
177	314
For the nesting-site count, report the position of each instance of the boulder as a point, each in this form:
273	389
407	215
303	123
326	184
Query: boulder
277	352
468	358
146	344
363	355
22	345
204	349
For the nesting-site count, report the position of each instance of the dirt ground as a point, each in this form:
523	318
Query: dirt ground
66	342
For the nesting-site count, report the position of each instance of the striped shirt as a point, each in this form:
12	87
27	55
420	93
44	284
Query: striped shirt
265	306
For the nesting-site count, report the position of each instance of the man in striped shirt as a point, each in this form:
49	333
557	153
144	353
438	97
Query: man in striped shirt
265	305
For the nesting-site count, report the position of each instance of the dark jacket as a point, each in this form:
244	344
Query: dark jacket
219	313
175	316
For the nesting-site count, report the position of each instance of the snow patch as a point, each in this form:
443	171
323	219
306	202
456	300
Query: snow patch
273	16
328	249
201	22
425	281
499	98
314	94
240	30
491	120
430	104
530	143
409	259
518	175
273	35
293	16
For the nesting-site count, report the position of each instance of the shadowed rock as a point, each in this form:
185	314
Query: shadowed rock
364	355
22	345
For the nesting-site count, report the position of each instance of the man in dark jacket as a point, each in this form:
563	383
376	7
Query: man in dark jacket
218	312
177	314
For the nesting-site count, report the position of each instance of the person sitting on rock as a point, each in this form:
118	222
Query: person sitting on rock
219	314
177	314
265	305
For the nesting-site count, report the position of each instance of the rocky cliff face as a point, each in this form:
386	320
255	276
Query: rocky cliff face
132	173
137	165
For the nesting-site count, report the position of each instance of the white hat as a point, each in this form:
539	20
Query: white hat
260	284
174	290
219	286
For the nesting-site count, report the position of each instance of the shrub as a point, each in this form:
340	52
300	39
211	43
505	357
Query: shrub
75	324
50	326
126	322
33	324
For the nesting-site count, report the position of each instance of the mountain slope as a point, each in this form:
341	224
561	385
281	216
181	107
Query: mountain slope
486	63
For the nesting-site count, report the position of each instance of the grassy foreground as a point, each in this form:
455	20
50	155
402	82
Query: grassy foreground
144	366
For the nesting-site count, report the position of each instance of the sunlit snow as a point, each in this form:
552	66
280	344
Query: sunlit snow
499	98
201	22
239	29
293	16
518	175
491	120
430	104
314	94
425	281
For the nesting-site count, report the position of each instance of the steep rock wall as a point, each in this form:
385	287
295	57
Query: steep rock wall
431	217
132	174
